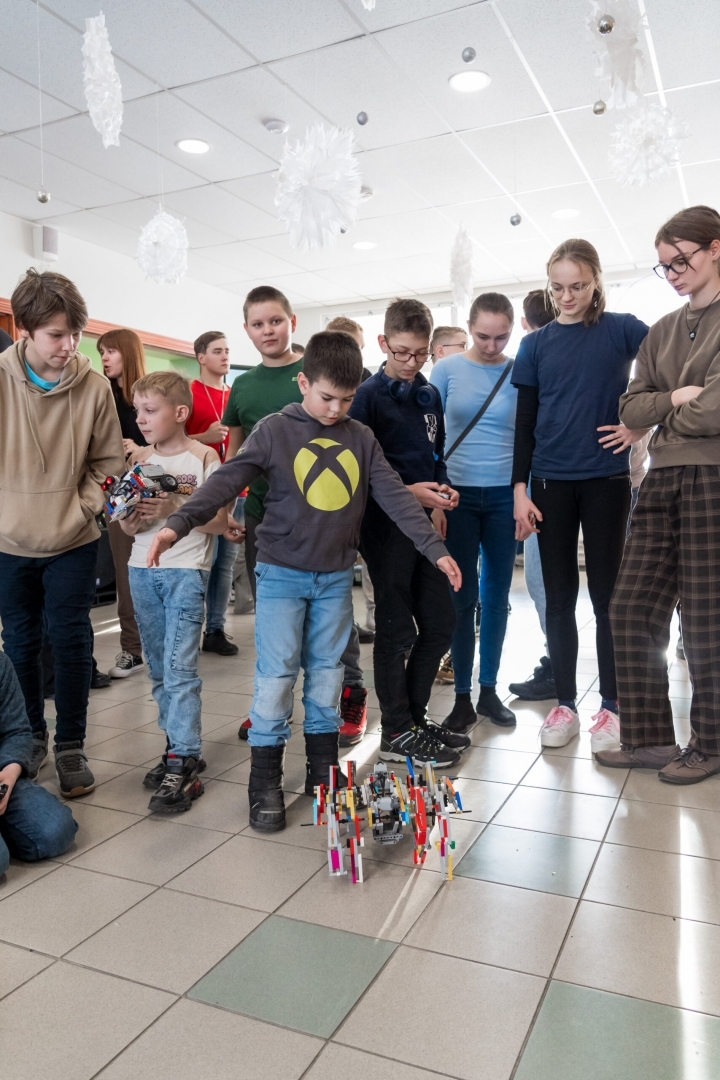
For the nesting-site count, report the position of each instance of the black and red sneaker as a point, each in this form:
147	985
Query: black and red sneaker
180	787
245	729
353	715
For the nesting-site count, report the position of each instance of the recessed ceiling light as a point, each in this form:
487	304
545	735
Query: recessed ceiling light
566	214
364	245
276	127
193	146
467	82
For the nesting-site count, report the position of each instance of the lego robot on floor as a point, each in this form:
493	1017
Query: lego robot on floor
391	804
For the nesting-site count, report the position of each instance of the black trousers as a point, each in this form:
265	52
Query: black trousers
414	620
601	506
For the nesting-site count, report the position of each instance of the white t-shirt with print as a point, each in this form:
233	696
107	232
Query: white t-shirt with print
190	468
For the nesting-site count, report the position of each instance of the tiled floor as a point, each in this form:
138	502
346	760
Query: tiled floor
580	939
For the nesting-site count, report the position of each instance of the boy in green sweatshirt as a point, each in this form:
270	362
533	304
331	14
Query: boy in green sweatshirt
320	466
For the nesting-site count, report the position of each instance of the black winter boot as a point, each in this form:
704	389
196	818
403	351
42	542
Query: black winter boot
322	752
267	806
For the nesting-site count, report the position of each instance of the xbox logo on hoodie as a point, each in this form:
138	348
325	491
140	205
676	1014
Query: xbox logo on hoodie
327	479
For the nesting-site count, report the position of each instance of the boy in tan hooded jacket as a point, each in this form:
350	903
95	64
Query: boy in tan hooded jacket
59	439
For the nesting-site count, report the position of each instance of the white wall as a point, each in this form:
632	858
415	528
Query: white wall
116	291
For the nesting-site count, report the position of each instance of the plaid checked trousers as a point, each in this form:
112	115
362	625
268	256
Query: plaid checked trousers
673	553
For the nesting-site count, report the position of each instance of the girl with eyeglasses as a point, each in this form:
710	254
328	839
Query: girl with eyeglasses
570	444
674	548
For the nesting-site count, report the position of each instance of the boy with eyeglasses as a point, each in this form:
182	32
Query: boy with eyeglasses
447	341
414	614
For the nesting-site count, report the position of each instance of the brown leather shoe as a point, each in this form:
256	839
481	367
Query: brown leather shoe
637	757
690	767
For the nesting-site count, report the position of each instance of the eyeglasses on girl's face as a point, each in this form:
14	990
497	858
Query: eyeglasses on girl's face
575	290
678	265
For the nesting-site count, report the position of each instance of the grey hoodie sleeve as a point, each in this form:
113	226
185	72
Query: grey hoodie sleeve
391	495
226	483
15	732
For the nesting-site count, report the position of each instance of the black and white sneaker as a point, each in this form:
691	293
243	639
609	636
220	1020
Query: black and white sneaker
154	778
180	787
419	745
539	687
126	664
452	740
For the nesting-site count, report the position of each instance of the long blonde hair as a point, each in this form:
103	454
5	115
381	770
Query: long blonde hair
130	347
583	253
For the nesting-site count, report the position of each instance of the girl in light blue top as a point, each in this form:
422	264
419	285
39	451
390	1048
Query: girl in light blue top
480	469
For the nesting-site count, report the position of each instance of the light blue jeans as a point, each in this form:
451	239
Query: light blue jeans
170	608
221	577
302	619
534	578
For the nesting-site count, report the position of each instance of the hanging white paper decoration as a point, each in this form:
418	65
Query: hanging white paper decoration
646	145
368	4
618	52
461	269
319	187
103	91
162	249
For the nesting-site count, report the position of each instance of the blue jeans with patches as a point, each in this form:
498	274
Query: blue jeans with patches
170	609
302	619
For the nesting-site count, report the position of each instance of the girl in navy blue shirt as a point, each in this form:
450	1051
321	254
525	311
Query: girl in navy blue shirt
570	375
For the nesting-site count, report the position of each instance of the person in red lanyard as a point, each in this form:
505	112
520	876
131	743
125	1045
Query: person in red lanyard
210	395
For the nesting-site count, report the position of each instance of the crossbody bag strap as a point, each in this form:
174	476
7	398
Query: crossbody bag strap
482	410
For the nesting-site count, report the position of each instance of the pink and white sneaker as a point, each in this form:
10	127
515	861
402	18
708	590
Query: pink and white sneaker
605	732
559	726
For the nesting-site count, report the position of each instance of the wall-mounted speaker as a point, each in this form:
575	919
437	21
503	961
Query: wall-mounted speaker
46	243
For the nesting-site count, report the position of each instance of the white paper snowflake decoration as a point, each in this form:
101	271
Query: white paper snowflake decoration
103	91
618	52
461	270
646	146
162	249
318	191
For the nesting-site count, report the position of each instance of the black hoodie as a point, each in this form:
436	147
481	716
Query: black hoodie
319	477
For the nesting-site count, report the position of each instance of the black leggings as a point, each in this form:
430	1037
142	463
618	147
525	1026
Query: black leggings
601	506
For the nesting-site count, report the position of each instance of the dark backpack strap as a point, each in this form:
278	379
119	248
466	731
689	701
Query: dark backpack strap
482	410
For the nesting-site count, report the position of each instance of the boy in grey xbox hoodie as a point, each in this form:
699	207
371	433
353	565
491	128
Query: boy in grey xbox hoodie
320	465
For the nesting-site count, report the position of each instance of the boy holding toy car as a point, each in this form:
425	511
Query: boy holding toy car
169	600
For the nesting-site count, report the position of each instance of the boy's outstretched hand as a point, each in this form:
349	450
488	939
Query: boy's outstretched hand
163	541
451	569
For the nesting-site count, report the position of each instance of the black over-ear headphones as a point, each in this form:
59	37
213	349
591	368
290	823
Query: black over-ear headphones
423	394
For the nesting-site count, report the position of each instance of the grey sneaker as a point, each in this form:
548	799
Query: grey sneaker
73	771
39	754
637	757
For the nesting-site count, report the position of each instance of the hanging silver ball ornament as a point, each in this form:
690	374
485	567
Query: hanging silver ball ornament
362	118
43	196
469	54
515	219
606	24
599	107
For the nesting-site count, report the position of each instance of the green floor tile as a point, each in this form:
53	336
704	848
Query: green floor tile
542	861
584	1034
295	974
